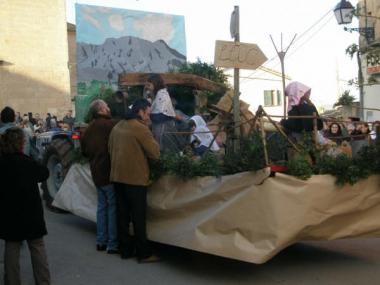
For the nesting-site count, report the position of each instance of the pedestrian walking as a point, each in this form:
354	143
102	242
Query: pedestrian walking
94	145
21	212
131	144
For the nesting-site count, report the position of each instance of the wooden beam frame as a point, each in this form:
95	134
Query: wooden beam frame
191	80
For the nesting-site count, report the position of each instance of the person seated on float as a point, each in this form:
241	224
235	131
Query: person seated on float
373	132
335	134
359	137
201	138
361	132
163	115
326	126
365	131
299	104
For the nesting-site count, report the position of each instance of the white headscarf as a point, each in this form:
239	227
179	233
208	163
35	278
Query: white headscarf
295	90
162	104
202	133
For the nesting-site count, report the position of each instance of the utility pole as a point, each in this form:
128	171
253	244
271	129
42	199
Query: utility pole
361	85
235	33
281	54
360	70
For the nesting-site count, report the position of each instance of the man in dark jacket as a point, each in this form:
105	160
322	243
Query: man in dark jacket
94	143
131	144
21	212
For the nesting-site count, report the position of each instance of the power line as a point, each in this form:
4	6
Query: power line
312	36
296	40
257	78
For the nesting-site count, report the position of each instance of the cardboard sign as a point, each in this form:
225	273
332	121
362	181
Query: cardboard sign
238	55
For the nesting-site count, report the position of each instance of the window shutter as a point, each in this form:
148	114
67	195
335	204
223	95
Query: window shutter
267	98
279	97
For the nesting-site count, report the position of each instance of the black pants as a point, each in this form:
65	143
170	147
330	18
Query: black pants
132	207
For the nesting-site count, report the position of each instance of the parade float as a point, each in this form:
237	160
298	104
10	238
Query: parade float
248	205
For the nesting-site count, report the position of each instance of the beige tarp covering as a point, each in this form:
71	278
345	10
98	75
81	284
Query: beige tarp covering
78	193
250	216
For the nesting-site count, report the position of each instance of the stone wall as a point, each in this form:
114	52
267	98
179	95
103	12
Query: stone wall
71	33
34	45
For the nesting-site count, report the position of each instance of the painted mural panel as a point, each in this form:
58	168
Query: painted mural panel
111	41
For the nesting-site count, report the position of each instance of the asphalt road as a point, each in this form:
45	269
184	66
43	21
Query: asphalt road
74	261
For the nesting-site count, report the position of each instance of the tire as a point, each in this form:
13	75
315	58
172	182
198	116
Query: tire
57	159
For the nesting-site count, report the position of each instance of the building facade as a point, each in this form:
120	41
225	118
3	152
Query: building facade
369	17
71	36
262	87
34	61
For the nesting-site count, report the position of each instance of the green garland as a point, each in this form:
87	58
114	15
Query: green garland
251	158
345	169
185	167
342	167
299	166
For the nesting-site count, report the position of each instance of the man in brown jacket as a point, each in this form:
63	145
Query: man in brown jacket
131	144
94	144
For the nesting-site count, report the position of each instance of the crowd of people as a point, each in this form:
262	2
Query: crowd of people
351	132
35	124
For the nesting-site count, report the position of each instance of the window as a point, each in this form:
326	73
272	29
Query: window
369	116
272	98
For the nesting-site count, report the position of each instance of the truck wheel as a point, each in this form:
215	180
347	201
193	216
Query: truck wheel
57	159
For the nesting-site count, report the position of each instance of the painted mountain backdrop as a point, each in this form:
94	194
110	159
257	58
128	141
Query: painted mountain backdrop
126	54
111	41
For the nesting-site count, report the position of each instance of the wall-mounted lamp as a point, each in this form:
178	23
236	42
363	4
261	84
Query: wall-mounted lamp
344	11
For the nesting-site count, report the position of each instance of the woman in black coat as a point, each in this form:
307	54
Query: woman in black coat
21	212
299	104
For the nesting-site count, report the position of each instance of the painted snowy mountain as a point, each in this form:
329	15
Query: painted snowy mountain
126	54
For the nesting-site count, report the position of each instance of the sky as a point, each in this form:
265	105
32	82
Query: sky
317	57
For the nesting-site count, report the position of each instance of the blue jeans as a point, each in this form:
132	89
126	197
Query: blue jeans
106	217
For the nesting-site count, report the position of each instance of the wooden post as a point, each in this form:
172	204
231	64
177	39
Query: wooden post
236	101
281	55
253	122
279	130
263	138
315	129
377	134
